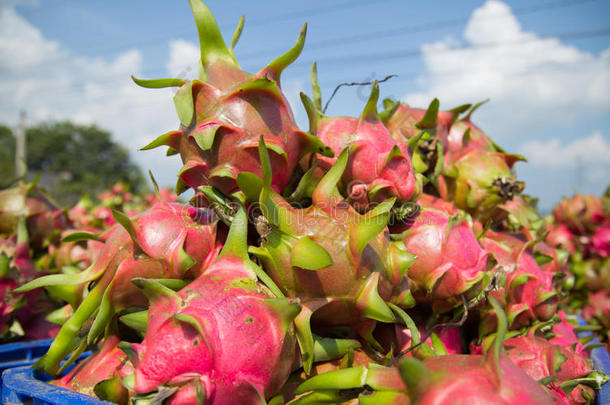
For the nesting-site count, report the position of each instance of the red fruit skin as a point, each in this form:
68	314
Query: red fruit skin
402	123
598	308
560	236
523	302
458	146
601	242
580	213
368	166
161	233
43	218
221	359
540	358
565	336
470	380
450	260
106	363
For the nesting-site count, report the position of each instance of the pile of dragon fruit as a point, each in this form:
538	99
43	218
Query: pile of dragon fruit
385	258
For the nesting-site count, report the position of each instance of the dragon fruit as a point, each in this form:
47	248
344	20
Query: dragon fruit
600	244
44	219
223	113
341	264
378	168
518	214
425	131
580	213
479	181
559	236
194	343
472	379
168	241
450	261
22	316
528	293
545	361
100	374
464	166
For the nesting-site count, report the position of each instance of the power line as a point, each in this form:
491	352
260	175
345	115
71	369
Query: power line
68	97
375	35
415	52
422	27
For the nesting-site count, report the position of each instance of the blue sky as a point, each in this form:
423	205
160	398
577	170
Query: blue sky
545	65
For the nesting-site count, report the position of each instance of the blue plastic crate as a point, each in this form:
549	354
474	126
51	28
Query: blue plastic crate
22	353
22	386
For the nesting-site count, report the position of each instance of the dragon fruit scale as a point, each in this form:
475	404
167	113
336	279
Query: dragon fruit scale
341	264
169	241
224	338
223	113
378	168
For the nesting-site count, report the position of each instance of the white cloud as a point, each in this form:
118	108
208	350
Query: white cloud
553	153
527	77
49	82
183	58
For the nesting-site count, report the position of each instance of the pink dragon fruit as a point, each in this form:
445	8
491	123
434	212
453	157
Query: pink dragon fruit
478	181
100	374
472	379
168	241
528	293
450	261
559	236
564	335
598	309
21	315
600	245
580	213
44	219
378	168
341	264
226	110
425	131
519	214
195	337
407	122
545	361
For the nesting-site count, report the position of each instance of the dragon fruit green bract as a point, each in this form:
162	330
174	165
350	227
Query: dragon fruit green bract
224	112
329	255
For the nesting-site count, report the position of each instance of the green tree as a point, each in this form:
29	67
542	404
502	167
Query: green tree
7	156
73	159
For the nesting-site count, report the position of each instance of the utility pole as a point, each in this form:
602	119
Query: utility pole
20	147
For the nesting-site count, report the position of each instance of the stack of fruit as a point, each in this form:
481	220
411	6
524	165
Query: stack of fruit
37	238
384	258
580	225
